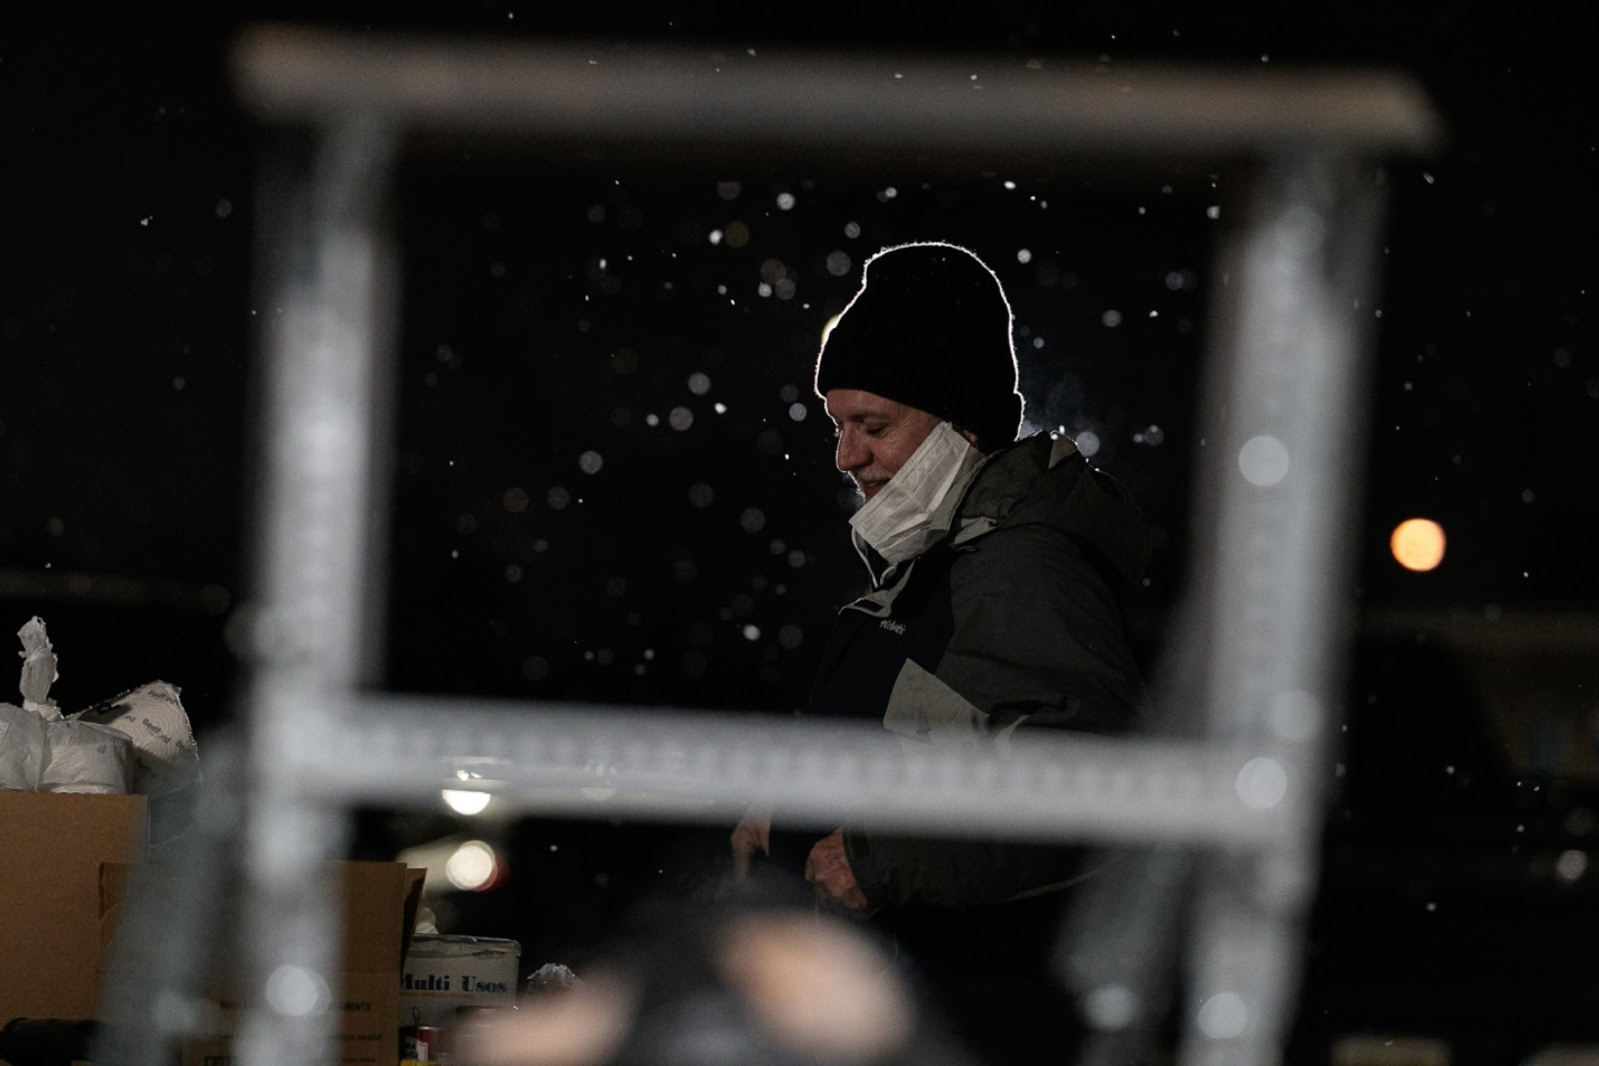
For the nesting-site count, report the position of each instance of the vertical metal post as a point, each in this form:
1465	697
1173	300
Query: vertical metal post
169	942
1118	949
1283	447
312	634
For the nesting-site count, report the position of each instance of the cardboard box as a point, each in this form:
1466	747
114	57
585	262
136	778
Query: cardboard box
379	904
63	874
52	847
446	973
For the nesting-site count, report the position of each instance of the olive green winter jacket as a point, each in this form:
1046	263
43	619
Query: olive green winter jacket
1010	621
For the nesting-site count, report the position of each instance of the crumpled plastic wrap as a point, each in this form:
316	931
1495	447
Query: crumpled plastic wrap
24	742
38	670
165	758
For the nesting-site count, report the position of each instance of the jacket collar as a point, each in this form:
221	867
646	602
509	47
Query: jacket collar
1049	482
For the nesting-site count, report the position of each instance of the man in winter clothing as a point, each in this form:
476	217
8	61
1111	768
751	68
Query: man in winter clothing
995	566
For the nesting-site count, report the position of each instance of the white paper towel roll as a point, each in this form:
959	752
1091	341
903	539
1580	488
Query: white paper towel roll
84	757
22	748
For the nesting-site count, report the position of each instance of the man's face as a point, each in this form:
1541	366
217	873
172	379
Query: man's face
876	436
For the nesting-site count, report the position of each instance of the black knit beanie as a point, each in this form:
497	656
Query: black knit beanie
930	328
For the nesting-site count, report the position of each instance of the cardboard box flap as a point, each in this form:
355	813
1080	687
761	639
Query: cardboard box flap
414	878
379	901
116	881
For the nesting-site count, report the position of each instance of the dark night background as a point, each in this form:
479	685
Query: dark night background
614	485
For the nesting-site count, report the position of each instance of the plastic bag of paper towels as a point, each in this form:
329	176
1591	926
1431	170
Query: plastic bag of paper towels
140	741
45	752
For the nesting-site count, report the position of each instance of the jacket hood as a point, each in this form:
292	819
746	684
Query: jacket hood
1039	480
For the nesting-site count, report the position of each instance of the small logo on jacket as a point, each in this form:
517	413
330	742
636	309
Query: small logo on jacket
897	628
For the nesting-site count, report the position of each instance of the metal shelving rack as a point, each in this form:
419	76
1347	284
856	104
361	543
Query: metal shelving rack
1235	790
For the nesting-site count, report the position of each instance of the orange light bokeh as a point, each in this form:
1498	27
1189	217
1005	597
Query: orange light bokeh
1418	544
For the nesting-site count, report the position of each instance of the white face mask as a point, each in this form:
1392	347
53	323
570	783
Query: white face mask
897	521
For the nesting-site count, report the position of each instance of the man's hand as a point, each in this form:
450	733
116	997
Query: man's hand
827	869
753	833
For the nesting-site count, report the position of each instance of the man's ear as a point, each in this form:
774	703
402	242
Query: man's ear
971	438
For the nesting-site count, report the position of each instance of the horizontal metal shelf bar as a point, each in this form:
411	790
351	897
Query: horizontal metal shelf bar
658	764
643	97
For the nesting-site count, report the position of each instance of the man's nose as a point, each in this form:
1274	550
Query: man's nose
851	453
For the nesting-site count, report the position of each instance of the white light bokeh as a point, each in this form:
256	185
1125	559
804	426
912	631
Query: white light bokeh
296	992
1263	460
1223	1016
1110	1007
464	801
472	866
1262	783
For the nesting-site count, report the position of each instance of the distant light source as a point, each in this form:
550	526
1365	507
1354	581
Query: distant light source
296	992
1418	544
462	801
1224	1016
1262	783
1263	460
472	867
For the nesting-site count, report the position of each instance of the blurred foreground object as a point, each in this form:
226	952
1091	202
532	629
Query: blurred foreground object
1259	664
44	1042
757	987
